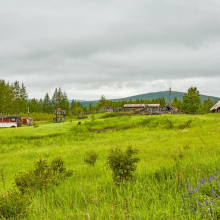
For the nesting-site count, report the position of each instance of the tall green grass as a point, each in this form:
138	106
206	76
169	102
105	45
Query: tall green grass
169	157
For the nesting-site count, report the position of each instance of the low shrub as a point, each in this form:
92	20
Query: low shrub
42	176
123	164
13	205
185	125
168	124
91	157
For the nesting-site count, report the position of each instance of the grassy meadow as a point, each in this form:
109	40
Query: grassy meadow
171	154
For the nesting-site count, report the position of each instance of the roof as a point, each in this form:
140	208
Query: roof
134	105
153	105
9	116
216	106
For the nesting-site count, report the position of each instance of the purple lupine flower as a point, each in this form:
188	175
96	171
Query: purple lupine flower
219	176
190	191
216	171
206	201
198	203
213	177
210	179
187	185
195	210
217	198
202	181
194	191
213	192
211	201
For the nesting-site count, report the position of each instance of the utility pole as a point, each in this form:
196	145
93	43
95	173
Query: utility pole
28	112
170	96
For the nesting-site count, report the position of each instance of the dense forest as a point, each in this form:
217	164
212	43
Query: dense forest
14	100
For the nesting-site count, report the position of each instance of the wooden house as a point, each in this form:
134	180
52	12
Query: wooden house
133	107
216	108
153	108
10	121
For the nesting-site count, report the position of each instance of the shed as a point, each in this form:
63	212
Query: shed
153	107
105	109
10	121
216	108
27	121
132	107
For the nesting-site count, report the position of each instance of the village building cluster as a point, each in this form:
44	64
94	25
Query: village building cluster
142	108
148	109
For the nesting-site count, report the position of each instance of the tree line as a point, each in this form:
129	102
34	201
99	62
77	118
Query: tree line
14	100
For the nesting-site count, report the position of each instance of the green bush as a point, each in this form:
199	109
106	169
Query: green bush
90	157
123	164
168	124
42	176
13	205
185	125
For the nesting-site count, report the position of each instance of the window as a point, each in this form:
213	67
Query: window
12	119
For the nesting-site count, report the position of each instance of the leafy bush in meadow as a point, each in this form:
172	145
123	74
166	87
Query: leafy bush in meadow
123	164
185	124
13	205
42	176
91	157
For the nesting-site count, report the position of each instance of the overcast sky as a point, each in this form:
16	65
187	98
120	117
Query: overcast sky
116	48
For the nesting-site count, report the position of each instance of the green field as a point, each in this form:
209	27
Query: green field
169	158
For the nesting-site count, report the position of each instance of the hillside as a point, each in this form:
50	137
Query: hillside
154	95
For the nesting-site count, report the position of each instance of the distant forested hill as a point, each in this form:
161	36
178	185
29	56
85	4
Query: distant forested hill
154	95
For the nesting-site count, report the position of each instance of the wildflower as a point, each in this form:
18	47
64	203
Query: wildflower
217	198
216	171
206	201
213	192
211	201
187	185
195	210
202	181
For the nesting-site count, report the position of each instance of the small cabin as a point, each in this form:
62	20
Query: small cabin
216	108
10	121
27	121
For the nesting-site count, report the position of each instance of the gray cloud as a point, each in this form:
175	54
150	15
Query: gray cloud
116	48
